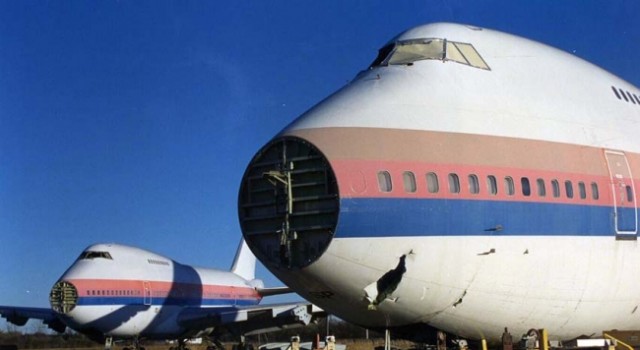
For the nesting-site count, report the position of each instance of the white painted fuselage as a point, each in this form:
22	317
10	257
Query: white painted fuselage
508	182
125	292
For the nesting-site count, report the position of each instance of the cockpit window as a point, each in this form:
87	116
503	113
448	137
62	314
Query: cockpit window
466	54
89	255
407	52
415	50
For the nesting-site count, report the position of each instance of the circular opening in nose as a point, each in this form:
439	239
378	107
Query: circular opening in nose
288	204
63	297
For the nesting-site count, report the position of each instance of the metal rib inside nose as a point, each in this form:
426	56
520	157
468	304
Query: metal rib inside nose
63	297
289	203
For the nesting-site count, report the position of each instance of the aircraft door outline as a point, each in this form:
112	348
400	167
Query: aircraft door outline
146	290
623	195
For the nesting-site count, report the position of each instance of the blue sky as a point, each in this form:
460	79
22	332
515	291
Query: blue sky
133	122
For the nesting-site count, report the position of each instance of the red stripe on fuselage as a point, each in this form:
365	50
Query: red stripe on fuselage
359	179
113	287
358	154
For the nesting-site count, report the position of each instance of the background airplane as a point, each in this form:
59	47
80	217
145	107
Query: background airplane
120	292
468	180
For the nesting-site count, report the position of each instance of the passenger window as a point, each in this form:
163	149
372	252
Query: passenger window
629	194
492	185
568	188
432	183
542	190
409	181
556	188
526	187
631	97
509	187
474	186
384	181
594	191
615	91
583	190
623	95
454	183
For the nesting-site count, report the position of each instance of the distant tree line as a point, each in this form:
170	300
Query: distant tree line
40	340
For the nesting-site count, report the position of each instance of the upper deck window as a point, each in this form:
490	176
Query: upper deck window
89	255
158	262
406	52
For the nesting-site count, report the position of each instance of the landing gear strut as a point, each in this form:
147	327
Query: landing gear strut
108	343
387	339
242	345
215	344
136	345
181	345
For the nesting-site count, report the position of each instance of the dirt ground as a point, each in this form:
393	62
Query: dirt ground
351	345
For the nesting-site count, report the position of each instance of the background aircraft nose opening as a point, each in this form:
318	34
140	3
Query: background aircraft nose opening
289	204
63	297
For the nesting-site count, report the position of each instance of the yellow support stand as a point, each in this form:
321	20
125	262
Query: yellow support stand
544	339
484	344
617	342
295	343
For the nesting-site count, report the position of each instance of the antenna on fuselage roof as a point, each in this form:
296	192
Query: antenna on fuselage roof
244	264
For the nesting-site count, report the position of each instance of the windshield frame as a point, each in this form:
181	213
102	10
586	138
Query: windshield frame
469	56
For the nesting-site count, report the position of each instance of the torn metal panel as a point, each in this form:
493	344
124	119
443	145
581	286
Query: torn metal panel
381	290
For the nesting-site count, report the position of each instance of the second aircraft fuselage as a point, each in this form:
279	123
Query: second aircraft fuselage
120	291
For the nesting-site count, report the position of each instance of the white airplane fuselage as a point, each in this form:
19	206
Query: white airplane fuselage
125	292
509	183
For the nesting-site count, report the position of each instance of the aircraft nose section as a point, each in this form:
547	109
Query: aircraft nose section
63	297
289	203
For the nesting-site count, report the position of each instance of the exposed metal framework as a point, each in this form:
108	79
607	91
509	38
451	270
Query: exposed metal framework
63	297
289	203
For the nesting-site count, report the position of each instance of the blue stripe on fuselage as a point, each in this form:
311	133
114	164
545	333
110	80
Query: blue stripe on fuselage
105	300
397	217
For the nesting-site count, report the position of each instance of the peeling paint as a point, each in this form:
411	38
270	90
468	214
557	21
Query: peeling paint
459	301
491	251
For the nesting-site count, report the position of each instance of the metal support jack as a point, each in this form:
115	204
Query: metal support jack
387	339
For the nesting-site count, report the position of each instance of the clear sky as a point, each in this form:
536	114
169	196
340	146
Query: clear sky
133	121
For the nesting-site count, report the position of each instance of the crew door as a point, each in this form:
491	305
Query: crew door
146	292
624	199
